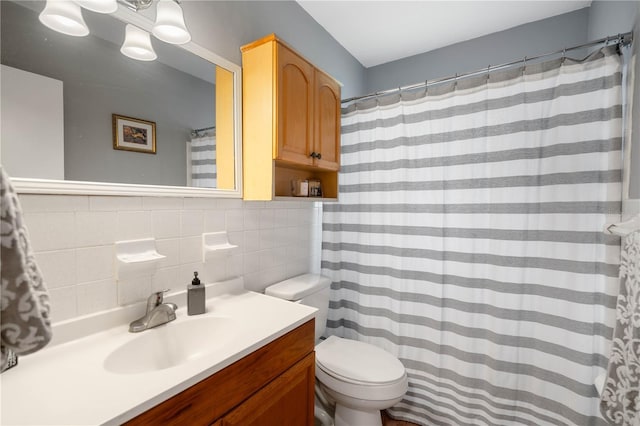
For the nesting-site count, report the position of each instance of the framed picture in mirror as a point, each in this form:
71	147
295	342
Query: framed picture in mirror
134	134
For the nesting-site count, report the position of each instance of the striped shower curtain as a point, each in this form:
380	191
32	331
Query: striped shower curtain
468	241
203	162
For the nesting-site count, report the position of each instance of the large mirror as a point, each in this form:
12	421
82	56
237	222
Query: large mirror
80	117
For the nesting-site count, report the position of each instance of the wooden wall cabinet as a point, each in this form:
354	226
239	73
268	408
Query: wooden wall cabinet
291	122
270	387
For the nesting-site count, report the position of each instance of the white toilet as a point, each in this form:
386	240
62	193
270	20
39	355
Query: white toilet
361	378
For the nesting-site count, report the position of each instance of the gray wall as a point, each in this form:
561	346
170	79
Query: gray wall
224	26
610	17
176	101
529	39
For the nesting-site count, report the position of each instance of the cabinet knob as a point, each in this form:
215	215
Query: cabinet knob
315	155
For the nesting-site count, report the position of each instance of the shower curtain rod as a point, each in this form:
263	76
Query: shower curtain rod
194	132
623	39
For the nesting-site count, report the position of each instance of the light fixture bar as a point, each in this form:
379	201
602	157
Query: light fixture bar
136	5
99	6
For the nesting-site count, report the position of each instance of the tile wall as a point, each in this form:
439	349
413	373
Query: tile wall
73	238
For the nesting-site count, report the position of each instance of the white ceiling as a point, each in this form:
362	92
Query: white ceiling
376	32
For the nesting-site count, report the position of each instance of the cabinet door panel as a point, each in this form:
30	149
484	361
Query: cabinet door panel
286	401
295	108
327	110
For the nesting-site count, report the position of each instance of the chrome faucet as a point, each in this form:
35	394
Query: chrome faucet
157	313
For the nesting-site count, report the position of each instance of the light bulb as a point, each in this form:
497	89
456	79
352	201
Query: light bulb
170	26
65	17
137	44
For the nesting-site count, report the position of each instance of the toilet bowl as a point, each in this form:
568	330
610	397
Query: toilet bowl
363	379
360	378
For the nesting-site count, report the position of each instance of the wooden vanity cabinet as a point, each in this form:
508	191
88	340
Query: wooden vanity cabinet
291	121
273	385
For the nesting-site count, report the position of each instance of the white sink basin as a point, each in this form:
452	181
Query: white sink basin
171	344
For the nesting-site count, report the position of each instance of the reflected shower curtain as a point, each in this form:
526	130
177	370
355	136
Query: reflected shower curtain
203	162
468	241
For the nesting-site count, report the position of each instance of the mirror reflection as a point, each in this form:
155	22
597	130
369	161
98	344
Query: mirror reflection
63	98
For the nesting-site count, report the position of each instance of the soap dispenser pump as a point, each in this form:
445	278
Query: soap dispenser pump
195	297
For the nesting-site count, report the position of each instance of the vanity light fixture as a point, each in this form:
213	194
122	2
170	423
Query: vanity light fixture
100	6
65	16
170	26
137	44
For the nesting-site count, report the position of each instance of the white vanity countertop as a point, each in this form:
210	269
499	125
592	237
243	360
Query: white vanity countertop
68	384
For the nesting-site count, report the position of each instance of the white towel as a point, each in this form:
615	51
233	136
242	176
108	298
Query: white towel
621	394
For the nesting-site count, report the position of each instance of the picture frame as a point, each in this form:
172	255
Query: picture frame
133	134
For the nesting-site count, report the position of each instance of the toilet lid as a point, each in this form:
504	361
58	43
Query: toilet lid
358	361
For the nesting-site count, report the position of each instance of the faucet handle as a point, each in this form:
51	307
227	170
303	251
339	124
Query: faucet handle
155	299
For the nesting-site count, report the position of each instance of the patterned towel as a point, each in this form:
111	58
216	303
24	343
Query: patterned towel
24	301
620	400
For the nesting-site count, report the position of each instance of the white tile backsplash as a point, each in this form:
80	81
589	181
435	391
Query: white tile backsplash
58	267
250	241
234	219
266	219
190	249
214	220
171	249
169	279
96	296
251	219
133	290
63	303
191	223
95	228
229	203
235	265
267	238
51	231
162	203
74	236
166	223
104	203
54	203
200	204
95	263
134	225
251	262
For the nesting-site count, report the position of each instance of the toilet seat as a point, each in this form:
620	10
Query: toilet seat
359	371
358	362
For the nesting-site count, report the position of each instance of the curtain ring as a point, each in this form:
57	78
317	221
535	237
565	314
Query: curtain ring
564	55
488	71
426	87
524	65
455	81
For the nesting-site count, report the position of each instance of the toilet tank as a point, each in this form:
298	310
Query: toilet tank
308	289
